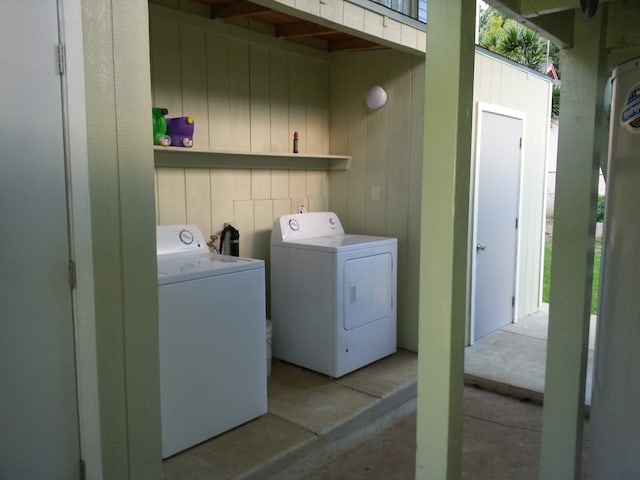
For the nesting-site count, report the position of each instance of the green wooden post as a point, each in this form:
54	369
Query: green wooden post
444	234
581	116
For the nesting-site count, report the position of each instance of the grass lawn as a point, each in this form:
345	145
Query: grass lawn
596	273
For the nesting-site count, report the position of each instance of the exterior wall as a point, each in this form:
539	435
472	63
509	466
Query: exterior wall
244	96
500	83
386	146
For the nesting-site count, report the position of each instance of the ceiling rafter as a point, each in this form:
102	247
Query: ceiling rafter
286	26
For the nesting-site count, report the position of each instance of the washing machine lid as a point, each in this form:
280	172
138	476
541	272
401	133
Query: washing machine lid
340	243
181	267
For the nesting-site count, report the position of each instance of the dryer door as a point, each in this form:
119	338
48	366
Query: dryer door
368	289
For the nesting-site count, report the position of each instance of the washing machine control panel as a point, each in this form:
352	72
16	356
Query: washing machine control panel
179	239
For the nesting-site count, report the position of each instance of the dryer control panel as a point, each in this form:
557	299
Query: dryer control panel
306	225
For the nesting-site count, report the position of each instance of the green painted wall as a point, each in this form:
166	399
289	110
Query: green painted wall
122	210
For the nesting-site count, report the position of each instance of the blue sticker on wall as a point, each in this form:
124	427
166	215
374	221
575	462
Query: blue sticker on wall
630	116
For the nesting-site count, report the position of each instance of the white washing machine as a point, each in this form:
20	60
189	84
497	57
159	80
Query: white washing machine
333	295
212	339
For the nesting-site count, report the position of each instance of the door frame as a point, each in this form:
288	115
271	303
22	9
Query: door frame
484	107
80	236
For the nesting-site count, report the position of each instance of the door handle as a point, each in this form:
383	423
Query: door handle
481	246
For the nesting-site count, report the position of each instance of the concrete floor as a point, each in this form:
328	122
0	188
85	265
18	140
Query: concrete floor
363	424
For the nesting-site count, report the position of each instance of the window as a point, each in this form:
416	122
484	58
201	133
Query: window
416	9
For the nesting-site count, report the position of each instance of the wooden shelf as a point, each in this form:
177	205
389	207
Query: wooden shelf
193	158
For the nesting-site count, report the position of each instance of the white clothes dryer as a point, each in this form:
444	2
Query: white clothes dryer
333	295
213	373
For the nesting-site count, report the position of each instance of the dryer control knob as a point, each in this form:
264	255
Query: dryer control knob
294	225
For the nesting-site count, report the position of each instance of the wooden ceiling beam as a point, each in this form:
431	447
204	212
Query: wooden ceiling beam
353	43
301	30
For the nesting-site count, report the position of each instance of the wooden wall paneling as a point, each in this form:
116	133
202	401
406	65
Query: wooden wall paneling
314	183
222	196
298	100
495	85
194	83
241	184
218	95
279	184
297	184
310	6
263	222
281	137
260	110
260	184
198	199
397	183
156	193
377	145
166	78
281	207
314	190
315	100
244	222
239	95
326	190
172	208
338	131
408	333
357	85
325	89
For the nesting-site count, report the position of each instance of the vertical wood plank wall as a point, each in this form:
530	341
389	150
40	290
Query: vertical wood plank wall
244	97
499	83
386	146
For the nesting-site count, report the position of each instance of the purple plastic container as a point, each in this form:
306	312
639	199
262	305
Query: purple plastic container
180	129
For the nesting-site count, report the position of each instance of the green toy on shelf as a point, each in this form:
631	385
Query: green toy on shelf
160	136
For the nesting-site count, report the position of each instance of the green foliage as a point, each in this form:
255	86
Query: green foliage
595	288
511	39
600	209
555	102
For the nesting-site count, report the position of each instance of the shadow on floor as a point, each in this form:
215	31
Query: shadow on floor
363	424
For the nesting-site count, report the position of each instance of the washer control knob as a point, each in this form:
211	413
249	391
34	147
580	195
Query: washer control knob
186	237
294	225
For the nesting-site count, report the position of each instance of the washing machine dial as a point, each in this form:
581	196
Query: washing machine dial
186	237
294	225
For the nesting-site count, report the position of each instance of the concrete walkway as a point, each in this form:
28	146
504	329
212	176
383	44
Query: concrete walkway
363	424
512	360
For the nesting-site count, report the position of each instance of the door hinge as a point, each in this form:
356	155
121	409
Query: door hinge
72	274
516	222
513	301
61	59
83	470
520	143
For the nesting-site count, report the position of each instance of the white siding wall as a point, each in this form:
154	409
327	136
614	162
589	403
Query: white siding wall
500	83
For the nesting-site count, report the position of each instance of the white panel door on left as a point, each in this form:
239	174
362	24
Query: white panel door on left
39	419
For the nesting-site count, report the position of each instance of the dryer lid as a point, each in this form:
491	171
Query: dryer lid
340	243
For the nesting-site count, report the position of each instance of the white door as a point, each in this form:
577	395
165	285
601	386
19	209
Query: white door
497	205
39	415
